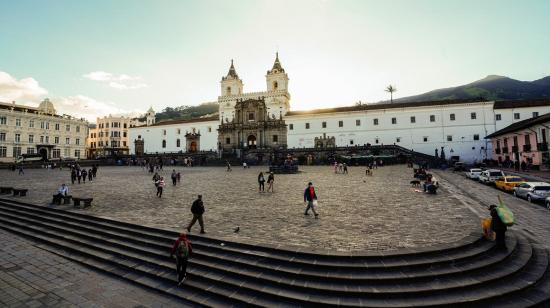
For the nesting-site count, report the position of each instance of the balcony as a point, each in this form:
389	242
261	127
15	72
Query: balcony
504	150
543	147
526	148
497	151
515	149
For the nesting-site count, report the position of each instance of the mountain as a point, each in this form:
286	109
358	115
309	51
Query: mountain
492	87
187	112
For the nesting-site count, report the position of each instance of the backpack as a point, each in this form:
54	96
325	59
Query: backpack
505	215
183	250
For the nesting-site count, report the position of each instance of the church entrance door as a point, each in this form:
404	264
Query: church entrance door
251	141
193	147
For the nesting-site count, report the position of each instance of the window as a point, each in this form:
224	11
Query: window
56	153
31	123
432	118
307	125
125	125
398	139
473	116
449	138
2	136
209	129
375	121
17	138
3	151
351	141
376	140
228	140
425	138
452	117
77	153
78	129
178	143
18	122
47	139
124	143
498	117
163	144
41	139
16	151
3	120
42	124
77	141
413	119
67	152
357	122
393	120
535	114
324	124
67	140
340	123
251	116
124	134
516	116
68	127
30	150
56	140
275	138
56	126
476	137
47	125
164	132
31	138
290	126
106	125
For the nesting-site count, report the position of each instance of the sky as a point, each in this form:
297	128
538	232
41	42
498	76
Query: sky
94	58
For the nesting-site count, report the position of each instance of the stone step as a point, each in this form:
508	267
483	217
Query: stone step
267	267
273	289
375	260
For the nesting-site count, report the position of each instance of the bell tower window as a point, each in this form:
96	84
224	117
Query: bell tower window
275	85
228	91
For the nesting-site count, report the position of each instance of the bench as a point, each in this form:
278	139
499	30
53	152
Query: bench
57	200
5	190
20	192
87	201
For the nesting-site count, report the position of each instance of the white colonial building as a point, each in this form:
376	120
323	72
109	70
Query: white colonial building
39	130
458	127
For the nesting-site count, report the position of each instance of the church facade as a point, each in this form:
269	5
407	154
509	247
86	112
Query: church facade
265	120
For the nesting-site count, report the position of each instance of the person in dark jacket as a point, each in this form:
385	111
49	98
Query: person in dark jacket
197	208
309	197
182	249
498	227
261	182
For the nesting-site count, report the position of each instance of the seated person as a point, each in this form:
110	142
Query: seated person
61	192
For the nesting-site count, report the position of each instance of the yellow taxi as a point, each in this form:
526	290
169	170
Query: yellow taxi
507	183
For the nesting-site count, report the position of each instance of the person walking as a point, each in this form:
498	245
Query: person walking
78	175
84	176
261	182
498	227
160	186
182	249
156	177
73	175
94	170
197	209
174	177
90	175
310	197
270	180
345	168
21	172
228	165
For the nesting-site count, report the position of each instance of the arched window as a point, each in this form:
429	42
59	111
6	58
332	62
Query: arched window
163	143
228	91
178	143
275	85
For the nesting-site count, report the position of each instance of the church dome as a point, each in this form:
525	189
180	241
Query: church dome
46	106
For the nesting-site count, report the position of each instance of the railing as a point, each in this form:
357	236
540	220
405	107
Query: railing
497	151
526	148
542	146
504	150
515	149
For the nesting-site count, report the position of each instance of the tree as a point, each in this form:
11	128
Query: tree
390	89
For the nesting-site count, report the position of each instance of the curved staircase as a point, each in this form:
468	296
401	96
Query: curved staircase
470	272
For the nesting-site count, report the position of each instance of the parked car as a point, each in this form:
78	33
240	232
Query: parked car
474	173
507	183
490	176
533	191
548	203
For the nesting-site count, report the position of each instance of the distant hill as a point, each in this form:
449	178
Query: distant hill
187	112
492	87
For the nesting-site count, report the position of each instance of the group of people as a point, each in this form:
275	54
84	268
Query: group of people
340	167
80	174
261	182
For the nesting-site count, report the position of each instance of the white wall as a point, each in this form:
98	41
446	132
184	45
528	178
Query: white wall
153	136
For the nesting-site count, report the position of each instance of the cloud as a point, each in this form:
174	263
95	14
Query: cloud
25	90
82	106
120	81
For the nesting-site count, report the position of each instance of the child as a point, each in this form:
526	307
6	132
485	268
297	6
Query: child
182	249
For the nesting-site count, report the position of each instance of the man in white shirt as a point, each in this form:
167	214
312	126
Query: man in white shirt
62	191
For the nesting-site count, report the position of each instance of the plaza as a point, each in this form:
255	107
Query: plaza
357	212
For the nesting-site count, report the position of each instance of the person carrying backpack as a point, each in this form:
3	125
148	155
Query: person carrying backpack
498	227
197	209
182	249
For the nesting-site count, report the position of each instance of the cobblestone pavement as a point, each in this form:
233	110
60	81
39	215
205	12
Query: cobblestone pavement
532	218
32	277
379	212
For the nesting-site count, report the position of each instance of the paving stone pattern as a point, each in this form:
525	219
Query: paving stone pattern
32	277
380	212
